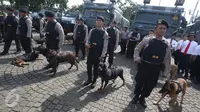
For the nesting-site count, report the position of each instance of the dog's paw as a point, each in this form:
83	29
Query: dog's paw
51	71
100	90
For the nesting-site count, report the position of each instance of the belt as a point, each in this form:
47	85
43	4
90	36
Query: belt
151	63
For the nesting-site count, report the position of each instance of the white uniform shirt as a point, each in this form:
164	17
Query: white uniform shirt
179	44
172	43
192	47
197	51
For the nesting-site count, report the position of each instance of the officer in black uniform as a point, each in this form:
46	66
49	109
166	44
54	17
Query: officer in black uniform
54	32
113	33
97	42
81	33
11	24
25	31
134	38
2	19
156	56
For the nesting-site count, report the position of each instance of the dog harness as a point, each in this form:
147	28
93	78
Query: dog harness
180	86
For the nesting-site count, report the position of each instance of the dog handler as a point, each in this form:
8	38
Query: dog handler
113	33
25	31
155	57
97	42
11	24
54	32
80	35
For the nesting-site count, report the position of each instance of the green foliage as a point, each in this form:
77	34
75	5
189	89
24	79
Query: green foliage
76	8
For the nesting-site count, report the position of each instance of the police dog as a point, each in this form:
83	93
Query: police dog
20	60
173	88
55	58
107	74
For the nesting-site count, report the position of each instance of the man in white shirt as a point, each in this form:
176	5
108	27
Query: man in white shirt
172	43
178	48
187	50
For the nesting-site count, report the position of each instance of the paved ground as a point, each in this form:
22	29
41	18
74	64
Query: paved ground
30	89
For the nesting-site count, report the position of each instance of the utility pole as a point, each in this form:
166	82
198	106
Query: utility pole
192	17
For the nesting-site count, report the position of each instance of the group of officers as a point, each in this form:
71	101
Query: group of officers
20	30
152	54
186	53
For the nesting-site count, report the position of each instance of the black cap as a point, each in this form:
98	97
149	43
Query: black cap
10	9
81	19
162	22
49	14
191	34
101	18
41	15
23	10
114	22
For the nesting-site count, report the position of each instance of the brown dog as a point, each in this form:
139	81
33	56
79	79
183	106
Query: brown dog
55	58
18	62
173	88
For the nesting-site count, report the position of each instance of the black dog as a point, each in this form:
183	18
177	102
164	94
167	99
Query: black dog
55	58
107	74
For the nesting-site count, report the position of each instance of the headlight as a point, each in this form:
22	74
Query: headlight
73	21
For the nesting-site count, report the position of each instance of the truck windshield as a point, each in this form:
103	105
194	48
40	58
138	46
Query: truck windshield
95	13
153	17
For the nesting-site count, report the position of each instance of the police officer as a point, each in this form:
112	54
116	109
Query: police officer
134	38
187	50
11	24
2	19
124	39
155	56
42	24
80	35
97	42
25	31
54	32
113	33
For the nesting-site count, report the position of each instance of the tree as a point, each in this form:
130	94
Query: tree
76	8
127	6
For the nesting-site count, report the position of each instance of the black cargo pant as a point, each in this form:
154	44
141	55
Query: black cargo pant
8	41
146	79
177	57
110	51
184	63
123	46
92	62
130	48
79	44
195	72
2	32
26	44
